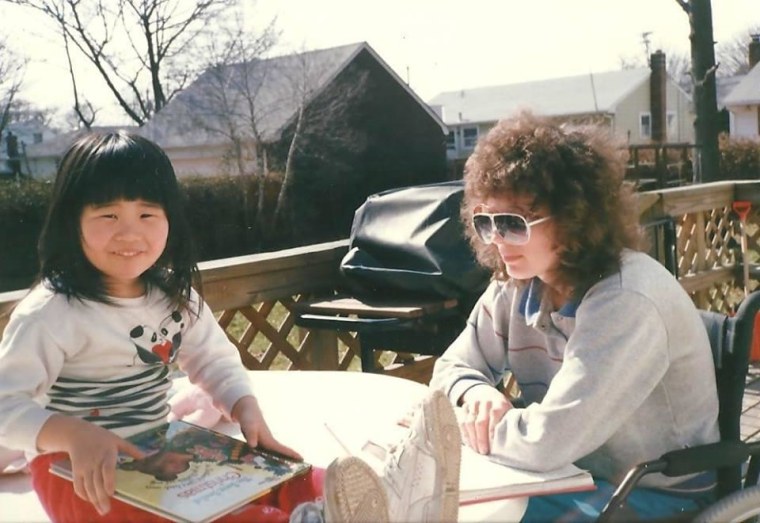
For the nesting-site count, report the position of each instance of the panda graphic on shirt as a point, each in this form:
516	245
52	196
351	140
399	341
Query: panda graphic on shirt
161	345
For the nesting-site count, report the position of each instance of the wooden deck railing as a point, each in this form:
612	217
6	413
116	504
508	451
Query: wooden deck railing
254	296
709	237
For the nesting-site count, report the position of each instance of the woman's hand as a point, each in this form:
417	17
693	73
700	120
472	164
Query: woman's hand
483	407
248	414
93	451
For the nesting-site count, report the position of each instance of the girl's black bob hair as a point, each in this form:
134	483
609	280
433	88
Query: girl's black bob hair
100	168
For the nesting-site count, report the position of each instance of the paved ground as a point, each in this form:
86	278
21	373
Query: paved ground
751	411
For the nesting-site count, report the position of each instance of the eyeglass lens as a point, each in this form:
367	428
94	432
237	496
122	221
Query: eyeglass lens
511	227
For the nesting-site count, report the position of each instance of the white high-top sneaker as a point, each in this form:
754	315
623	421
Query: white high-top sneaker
421	473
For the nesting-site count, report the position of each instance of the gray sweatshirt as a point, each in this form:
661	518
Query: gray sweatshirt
617	378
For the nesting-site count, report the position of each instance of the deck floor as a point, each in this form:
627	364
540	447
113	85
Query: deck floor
751	408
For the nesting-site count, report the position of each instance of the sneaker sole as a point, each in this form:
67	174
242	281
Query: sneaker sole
444	435
354	493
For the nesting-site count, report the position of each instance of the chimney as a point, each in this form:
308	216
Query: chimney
657	96
754	50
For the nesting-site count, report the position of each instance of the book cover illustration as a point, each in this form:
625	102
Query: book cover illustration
195	474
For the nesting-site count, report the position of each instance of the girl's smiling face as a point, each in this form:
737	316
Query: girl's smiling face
122	239
538	257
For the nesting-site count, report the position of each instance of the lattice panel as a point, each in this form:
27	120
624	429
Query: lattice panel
722	297
753	238
267	338
706	241
349	350
710	240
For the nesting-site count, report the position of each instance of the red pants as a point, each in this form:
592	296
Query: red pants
63	505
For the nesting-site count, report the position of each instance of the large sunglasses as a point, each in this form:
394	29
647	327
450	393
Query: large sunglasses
512	228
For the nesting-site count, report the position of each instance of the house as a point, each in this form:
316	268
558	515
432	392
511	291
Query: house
348	92
25	129
723	87
743	102
332	126
42	158
642	106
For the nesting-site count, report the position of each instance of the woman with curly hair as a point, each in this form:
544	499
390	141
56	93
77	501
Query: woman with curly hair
604	343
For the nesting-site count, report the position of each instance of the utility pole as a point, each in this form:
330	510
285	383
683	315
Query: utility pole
645	41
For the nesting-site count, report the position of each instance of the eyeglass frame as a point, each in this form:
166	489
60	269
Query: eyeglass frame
495	230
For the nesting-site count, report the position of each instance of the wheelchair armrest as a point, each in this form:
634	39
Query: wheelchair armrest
704	457
675	463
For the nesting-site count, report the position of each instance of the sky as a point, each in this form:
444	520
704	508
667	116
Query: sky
445	45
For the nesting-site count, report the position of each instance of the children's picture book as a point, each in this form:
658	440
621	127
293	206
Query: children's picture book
195	474
480	478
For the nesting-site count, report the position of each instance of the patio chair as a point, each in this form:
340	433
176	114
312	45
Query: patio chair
730	339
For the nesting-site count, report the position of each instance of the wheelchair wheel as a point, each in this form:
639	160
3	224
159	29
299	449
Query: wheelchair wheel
743	505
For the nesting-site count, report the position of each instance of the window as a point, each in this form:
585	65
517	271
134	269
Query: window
645	125
451	143
469	136
37	138
672	125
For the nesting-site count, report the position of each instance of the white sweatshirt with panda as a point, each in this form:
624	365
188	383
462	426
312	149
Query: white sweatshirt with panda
108	364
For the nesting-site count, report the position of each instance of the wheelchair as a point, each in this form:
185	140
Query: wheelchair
737	492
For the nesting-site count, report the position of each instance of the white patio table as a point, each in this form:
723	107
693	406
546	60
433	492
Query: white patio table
296	405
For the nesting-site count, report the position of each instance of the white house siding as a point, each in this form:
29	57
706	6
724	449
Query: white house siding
683	129
744	122
627	115
629	110
461	150
198	160
42	167
206	160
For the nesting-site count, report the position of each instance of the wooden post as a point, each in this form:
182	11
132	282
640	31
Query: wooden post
320	348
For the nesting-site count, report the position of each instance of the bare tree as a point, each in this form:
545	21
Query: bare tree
227	105
139	48
83	110
320	124
703	72
271	112
12	68
733	54
678	64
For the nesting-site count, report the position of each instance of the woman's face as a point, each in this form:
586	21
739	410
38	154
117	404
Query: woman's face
539	256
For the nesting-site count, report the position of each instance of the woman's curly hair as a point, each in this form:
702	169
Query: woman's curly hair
574	171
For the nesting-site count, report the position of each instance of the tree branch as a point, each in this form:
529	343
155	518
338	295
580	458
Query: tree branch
711	71
685	6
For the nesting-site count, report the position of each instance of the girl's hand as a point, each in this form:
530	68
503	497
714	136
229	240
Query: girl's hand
93	451
255	430
483	407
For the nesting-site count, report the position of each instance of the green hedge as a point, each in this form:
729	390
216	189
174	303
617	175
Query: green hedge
215	210
22	212
739	158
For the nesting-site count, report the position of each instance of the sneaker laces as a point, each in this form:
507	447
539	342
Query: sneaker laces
395	452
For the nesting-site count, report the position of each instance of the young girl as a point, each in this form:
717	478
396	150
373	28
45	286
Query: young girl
87	355
605	344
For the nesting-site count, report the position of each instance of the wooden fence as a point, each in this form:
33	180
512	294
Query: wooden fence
254	296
